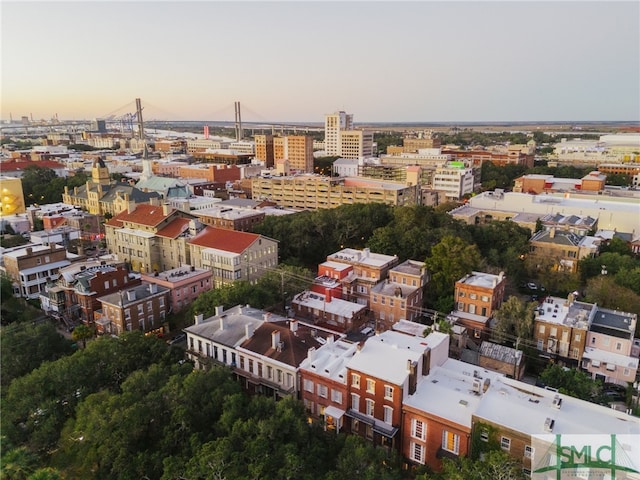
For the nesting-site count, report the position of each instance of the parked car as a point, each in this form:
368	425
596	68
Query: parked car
181	337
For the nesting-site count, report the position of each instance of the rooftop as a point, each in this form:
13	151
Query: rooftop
334	306
385	356
330	360
229	327
567	312
364	257
483	280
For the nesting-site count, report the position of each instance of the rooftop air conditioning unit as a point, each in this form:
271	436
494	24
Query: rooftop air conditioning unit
557	401
477	385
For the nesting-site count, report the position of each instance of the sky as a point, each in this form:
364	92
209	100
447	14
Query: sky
295	61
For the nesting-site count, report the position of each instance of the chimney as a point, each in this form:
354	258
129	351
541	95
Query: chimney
131	295
293	325
219	310
275	339
413	377
248	330
29	250
166	209
153	288
552	232
131	207
198	318
426	362
311	354
221	323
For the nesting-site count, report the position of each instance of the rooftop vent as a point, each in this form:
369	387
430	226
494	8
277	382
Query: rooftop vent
557	401
548	424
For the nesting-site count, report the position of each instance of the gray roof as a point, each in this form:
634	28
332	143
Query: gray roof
229	328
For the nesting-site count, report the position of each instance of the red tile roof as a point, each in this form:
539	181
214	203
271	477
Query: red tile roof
224	239
174	228
144	214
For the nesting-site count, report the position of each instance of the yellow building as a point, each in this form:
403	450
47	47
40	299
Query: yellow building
101	195
311	192
11	196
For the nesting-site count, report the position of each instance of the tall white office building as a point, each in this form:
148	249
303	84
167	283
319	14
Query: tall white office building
334	123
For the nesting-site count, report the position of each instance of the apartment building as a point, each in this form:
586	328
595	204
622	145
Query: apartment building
561	250
382	375
329	312
74	296
477	296
269	359
609	354
185	284
399	297
233	255
311	192
32	267
529	422
369	268
297	150
212	172
151	237
224	216
561	327
143	308
323	382
438	415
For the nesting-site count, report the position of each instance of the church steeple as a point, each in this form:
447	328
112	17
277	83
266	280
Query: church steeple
147	171
100	172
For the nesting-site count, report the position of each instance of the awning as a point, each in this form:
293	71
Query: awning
384	429
360	416
333	412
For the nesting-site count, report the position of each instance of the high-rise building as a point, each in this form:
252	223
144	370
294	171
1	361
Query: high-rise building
297	149
264	149
334	123
356	144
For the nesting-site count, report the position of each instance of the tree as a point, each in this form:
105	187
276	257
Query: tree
449	261
24	347
605	291
514	321
571	382
82	333
496	464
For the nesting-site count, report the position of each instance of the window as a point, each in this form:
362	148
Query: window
577	337
505	443
528	451
417	452
370	405
418	429
355	380
308	385
484	435
618	346
388	414
371	386
355	402
450	442
541	329
322	391
388	392
336	396
554	331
